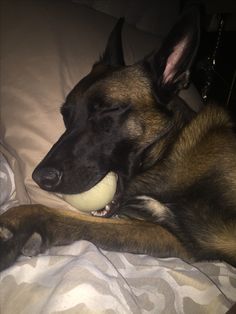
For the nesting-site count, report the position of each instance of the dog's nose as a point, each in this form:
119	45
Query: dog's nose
47	178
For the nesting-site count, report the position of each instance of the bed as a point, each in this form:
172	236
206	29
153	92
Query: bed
46	48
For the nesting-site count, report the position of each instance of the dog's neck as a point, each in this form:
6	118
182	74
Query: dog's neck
180	142
210	118
168	155
180	116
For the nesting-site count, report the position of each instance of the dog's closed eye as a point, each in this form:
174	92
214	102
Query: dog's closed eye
106	108
109	110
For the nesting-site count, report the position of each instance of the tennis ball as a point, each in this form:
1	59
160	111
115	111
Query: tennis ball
97	197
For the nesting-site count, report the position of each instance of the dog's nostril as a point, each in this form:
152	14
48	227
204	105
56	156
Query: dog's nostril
47	178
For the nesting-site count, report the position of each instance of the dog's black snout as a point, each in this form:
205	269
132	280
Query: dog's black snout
47	178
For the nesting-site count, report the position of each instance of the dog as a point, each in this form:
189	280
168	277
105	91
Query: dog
176	168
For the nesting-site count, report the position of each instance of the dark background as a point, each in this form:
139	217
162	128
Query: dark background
215	69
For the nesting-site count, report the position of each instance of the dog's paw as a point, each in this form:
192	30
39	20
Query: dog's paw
17	235
33	246
5	234
7	250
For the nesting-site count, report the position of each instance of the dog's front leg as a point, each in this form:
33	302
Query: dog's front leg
61	227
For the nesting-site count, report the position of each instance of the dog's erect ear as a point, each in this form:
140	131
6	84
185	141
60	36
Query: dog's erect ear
113	54
170	66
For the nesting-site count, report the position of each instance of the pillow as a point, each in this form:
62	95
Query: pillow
46	48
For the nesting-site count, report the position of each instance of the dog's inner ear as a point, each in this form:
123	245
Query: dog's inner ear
113	54
172	62
170	66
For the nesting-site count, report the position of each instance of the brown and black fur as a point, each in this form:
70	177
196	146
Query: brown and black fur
176	191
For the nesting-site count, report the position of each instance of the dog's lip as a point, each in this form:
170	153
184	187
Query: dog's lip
99	180
91	184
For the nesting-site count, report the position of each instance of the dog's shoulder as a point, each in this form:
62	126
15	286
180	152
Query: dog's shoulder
204	154
211	126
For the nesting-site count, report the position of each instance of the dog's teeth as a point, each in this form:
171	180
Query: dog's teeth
99	213
107	207
95	213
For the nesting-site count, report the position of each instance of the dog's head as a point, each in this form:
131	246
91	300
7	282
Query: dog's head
116	113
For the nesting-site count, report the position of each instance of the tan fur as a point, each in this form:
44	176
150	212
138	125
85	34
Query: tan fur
222	239
202	145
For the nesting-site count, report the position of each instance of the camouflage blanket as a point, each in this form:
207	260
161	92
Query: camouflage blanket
80	278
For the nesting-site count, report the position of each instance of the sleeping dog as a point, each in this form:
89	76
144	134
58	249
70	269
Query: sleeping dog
176	169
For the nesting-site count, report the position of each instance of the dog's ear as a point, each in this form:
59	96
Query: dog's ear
170	66
113	54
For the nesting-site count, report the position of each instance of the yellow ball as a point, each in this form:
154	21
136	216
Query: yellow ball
97	197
